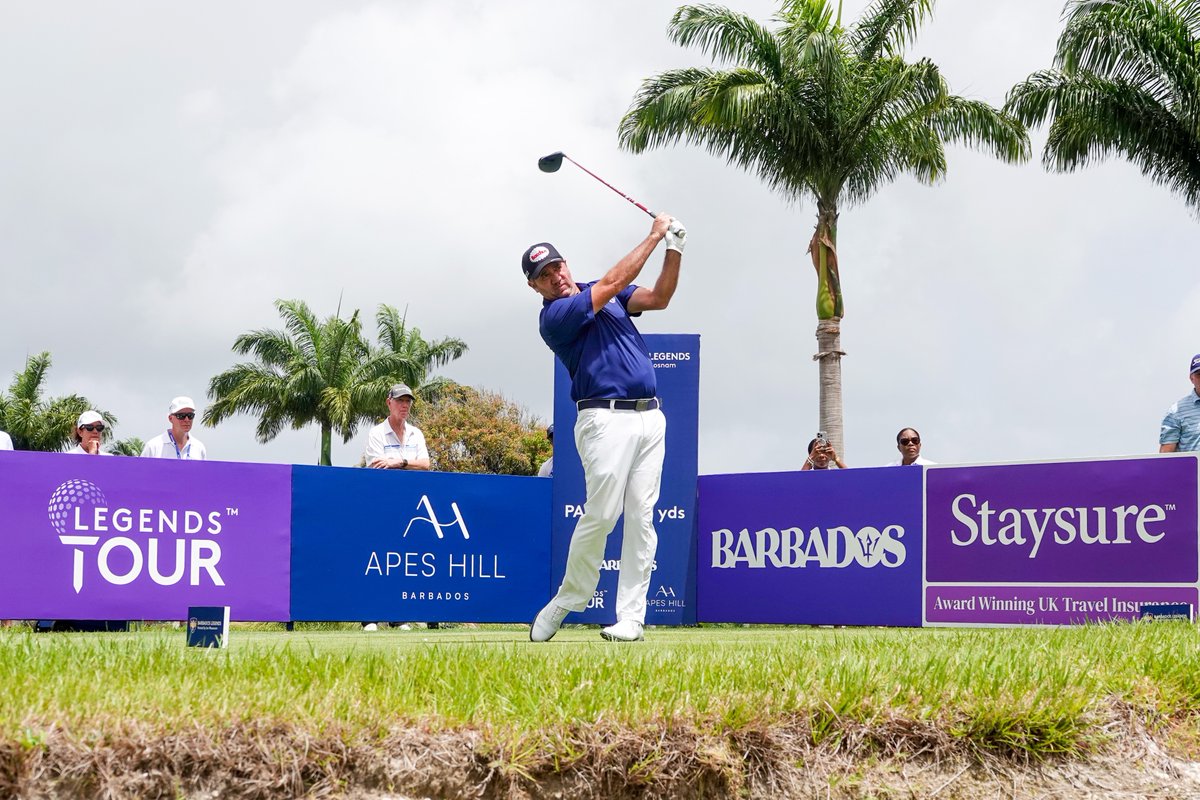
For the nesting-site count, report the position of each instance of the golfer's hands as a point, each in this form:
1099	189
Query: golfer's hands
676	236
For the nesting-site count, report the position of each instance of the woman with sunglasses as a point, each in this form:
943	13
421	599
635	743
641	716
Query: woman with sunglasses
177	442
908	442
89	430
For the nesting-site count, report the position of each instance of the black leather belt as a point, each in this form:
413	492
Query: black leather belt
646	404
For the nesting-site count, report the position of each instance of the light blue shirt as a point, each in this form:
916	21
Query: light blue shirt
1181	425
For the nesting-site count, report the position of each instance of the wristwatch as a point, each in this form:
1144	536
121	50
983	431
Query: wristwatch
404	464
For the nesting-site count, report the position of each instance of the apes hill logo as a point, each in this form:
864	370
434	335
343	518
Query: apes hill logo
81	515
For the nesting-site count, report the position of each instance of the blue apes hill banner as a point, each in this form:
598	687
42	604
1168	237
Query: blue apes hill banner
823	547
418	546
671	598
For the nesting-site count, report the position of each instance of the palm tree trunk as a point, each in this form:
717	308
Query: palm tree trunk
829	366
823	250
326	445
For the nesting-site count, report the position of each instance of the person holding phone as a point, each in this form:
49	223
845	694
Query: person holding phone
821	455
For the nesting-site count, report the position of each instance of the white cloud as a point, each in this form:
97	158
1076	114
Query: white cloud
170	178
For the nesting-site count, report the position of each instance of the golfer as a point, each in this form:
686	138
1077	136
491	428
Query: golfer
620	431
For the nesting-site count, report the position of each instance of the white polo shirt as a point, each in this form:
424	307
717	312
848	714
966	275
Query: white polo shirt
164	447
383	443
5	441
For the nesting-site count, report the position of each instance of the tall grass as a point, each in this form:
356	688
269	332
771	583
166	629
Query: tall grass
1037	691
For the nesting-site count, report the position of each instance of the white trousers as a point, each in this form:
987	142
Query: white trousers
622	454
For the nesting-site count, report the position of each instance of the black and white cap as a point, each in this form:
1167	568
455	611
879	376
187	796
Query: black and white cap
537	258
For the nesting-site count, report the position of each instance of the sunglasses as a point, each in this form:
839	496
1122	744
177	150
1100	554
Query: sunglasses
914	440
97	428
185	415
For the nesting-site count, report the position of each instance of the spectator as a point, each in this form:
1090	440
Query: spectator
394	443
89	430
178	441
547	468
5	441
908	442
1180	430
821	455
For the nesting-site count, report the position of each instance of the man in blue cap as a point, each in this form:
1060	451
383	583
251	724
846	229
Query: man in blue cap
620	431
1180	430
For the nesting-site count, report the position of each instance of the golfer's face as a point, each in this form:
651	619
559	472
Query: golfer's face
554	281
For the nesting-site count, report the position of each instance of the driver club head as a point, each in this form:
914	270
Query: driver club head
551	163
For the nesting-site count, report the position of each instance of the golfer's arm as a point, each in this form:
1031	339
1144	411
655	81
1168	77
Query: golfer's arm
658	297
1169	447
624	271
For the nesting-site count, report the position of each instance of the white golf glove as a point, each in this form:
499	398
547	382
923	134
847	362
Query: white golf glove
676	236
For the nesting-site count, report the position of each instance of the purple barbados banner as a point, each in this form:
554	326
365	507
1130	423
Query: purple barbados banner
385	545
839	547
131	538
671	598
1059	543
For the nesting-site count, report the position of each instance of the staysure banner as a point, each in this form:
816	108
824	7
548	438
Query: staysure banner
1060	543
822	547
87	537
671	598
390	545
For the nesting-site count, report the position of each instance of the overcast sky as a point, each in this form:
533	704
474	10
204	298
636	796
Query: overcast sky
168	170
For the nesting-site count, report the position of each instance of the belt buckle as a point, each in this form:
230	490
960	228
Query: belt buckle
642	405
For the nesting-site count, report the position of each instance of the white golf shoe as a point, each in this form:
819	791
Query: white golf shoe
626	630
547	622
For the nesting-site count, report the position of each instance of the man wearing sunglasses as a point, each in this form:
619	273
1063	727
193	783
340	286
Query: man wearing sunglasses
177	442
908	442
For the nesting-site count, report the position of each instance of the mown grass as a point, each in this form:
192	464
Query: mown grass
1032	691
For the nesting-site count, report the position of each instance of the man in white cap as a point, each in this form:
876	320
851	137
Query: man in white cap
5	441
395	443
177	442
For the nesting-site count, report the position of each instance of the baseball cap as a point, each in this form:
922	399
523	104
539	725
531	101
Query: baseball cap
550	430
399	390
537	258
1195	364
180	403
88	418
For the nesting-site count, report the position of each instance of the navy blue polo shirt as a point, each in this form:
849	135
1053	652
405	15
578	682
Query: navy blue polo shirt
603	351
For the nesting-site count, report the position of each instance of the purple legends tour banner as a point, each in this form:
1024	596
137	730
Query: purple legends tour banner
85	537
822	547
1060	543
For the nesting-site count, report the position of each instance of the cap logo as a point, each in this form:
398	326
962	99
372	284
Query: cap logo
537	254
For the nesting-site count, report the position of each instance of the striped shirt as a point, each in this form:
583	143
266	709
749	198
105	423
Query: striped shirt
1181	425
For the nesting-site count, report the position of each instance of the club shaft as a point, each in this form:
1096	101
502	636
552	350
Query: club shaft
609	185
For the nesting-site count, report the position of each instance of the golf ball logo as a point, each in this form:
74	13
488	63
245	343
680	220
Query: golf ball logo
75	493
538	253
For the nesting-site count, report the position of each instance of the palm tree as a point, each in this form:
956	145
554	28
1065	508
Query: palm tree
1126	81
132	446
38	423
310	372
325	372
818	111
404	355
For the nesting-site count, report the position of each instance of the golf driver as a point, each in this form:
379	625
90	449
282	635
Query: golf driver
552	162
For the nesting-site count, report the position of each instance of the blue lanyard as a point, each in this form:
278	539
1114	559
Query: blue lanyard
186	448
